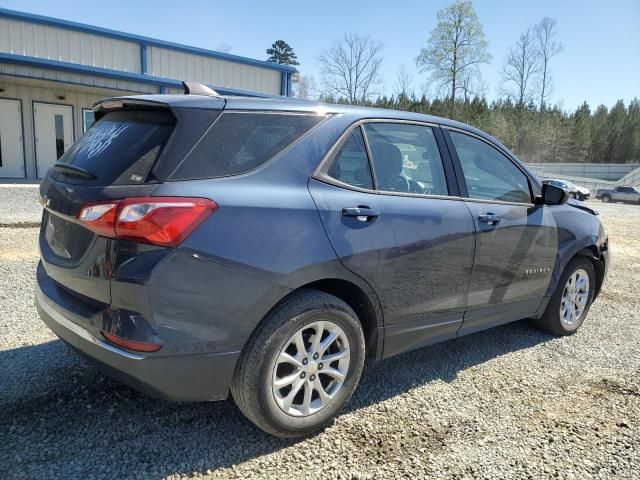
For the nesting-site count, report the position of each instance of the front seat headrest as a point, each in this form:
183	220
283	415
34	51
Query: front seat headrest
387	158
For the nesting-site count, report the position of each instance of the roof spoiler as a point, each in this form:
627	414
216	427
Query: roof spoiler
195	88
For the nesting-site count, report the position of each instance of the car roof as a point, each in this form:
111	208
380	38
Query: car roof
293	105
288	104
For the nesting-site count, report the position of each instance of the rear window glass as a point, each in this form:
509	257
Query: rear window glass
121	147
240	142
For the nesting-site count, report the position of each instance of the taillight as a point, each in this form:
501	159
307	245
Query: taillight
165	221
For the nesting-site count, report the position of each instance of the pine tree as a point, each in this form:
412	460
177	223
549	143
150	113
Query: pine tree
281	53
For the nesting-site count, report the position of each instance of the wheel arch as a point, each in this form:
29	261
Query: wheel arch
365	304
357	294
592	253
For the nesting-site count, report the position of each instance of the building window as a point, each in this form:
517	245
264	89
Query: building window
88	118
59	126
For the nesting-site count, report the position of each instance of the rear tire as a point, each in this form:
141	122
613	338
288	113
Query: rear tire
606	199
271	367
572	299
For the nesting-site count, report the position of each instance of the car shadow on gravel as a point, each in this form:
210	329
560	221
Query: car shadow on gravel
385	379
59	417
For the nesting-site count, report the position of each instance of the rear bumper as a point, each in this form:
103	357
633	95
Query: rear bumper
187	377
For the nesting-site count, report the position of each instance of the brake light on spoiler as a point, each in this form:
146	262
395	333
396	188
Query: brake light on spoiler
164	221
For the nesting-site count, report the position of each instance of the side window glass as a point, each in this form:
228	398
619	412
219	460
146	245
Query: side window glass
488	173
406	158
351	165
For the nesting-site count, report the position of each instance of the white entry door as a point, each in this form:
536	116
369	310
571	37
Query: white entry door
11	146
53	132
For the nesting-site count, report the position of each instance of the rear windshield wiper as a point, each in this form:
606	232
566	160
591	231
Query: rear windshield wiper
74	171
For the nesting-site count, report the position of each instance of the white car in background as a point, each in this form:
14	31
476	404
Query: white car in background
573	190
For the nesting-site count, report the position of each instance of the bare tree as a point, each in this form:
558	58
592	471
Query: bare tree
472	84
548	47
303	86
404	80
351	67
520	65
455	48
224	47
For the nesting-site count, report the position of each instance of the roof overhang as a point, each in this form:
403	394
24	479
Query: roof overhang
114	74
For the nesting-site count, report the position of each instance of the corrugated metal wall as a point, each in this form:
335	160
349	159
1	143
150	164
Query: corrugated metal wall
29	91
163	62
77	79
65	45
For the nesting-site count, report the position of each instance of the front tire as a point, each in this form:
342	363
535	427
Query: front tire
301	366
606	199
572	299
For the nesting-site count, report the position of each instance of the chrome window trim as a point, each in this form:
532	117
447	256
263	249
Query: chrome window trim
321	172
504	154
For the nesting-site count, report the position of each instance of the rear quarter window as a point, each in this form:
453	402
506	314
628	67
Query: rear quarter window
122	147
239	142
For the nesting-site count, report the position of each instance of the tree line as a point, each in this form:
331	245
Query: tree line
523	116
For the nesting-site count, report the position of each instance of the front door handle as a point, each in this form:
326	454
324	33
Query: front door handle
363	214
489	218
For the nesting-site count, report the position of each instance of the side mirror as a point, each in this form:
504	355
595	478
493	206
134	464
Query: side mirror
552	195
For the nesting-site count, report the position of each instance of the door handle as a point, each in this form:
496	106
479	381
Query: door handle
489	218
362	214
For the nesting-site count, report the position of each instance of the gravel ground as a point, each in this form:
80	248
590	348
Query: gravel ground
19	204
506	403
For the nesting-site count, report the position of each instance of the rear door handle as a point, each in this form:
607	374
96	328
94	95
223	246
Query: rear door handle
362	214
489	219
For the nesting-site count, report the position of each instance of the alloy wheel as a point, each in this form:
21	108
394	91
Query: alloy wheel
574	298
311	368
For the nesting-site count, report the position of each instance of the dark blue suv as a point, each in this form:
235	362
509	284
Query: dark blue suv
194	246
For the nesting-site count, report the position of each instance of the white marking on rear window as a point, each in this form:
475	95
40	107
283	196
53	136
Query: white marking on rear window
98	139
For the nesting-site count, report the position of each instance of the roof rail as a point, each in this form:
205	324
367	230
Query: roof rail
195	88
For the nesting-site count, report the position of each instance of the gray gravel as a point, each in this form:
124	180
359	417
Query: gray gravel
19	204
507	403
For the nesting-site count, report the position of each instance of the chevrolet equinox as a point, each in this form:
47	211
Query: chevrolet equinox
199	246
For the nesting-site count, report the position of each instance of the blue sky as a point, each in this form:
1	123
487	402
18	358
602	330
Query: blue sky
600	62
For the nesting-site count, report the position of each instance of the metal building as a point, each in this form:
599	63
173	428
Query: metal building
52	71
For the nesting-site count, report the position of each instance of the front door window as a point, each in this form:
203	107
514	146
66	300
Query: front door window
489	175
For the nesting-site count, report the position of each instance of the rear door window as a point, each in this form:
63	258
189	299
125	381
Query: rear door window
241	141
122	146
406	158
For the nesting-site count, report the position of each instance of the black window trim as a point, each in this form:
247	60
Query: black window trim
321	173
460	175
324	117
